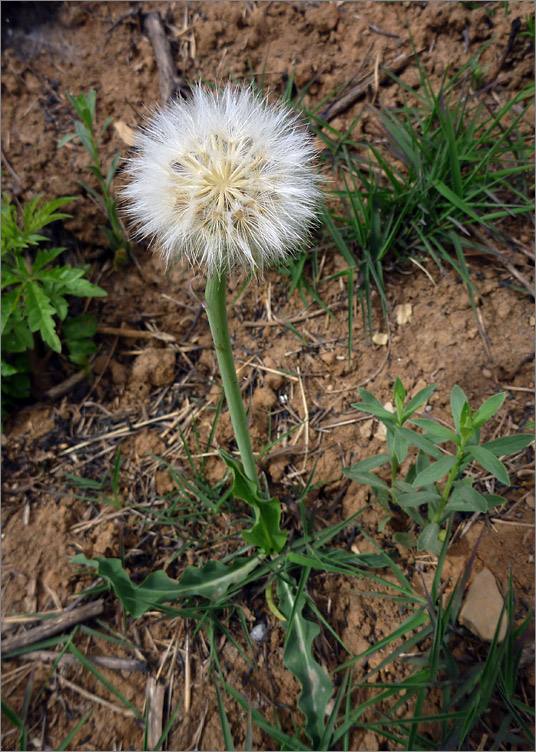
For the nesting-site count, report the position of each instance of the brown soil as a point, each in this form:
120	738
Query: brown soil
151	389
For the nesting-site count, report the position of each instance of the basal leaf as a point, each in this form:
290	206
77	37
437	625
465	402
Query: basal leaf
265	532
210	581
317	687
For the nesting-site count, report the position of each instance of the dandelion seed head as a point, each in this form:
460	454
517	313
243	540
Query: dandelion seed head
224	179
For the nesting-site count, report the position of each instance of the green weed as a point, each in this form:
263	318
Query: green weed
447	172
437	483
106	491
36	292
88	133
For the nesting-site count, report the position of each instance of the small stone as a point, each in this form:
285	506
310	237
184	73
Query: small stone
482	607
259	632
380	338
365	429
486	373
328	358
403	313
125	133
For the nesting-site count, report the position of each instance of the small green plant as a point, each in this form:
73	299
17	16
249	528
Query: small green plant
87	132
36	290
437	483
106	490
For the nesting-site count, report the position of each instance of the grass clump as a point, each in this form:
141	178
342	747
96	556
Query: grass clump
447	175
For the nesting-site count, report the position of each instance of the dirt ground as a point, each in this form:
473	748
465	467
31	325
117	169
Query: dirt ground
145	390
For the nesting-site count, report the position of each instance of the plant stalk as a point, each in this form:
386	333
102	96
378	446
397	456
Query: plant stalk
217	318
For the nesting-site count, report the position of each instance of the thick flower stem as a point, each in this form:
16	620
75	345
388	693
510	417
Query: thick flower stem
217	318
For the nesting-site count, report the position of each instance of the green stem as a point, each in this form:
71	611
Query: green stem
217	318
451	477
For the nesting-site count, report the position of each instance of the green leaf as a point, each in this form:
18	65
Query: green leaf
65	139
399	395
8	369
265	532
9	303
416	498
112	169
455	200
44	257
369	464
371	406
59	304
80	327
509	444
420	399
82	288
397	443
458	400
429	539
435	471
464	498
18	339
421	442
298	658
367	479
494	501
210	581
488	409
435	431
490	463
86	137
40	316
81	350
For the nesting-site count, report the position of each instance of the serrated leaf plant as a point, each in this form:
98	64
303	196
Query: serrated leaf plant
36	291
437	482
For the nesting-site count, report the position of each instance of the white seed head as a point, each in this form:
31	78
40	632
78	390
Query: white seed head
224	179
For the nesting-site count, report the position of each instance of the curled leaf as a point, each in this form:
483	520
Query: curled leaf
210	581
317	687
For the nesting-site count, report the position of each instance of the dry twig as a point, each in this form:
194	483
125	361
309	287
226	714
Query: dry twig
54	626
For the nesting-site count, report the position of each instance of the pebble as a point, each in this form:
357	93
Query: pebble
482	607
259	632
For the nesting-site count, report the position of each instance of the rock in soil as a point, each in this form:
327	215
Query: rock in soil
482	607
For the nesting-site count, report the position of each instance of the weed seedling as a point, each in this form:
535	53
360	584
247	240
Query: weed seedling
438	483
89	134
106	490
36	292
